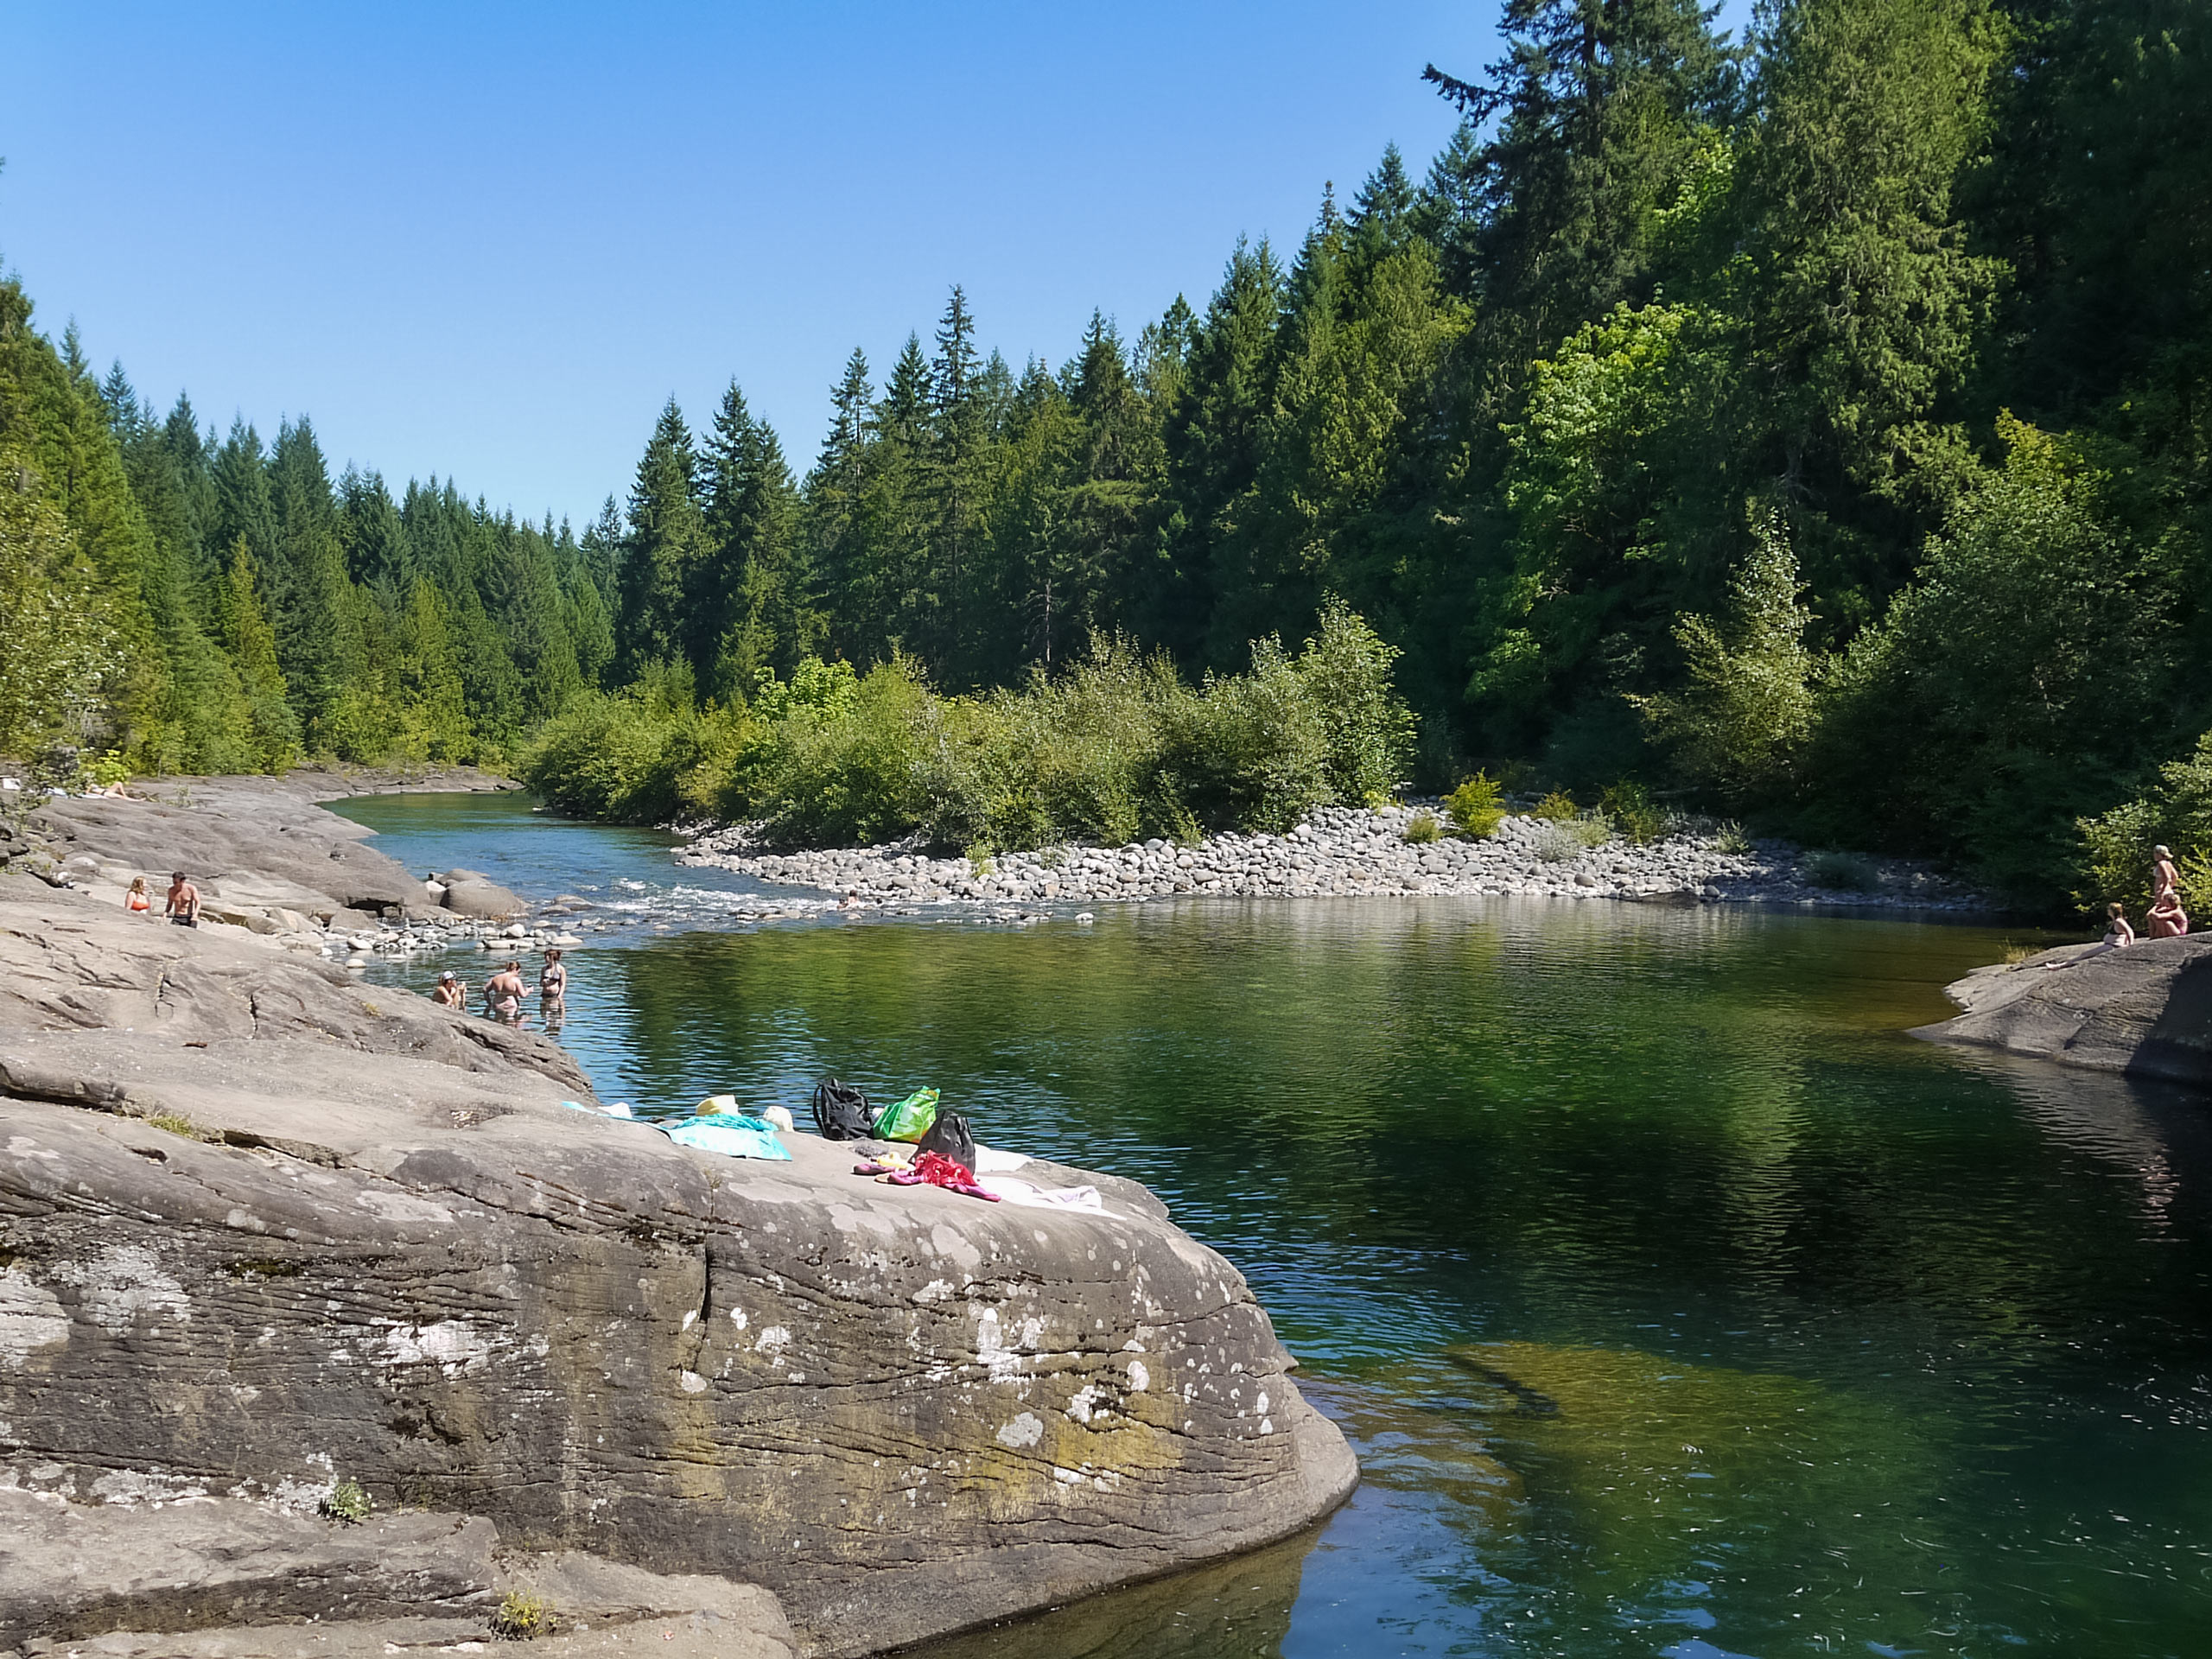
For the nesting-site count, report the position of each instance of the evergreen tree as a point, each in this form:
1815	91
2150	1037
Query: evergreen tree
662	552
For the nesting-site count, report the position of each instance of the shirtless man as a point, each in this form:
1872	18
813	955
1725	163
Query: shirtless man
552	985
184	906
451	992
503	994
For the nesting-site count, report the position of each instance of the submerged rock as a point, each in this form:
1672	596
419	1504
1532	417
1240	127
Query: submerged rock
2145	1010
263	1228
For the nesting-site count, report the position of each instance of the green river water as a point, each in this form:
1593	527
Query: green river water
1676	1302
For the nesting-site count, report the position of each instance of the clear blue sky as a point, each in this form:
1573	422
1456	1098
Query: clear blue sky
490	241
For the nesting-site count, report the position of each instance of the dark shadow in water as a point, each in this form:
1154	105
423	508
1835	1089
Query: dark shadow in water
1234	1610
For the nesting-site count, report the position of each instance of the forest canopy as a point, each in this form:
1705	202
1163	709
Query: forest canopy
1812	427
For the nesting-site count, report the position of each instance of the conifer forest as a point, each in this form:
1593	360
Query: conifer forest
1814	429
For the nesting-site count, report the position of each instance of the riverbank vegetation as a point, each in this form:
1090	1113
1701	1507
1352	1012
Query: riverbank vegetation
1812	429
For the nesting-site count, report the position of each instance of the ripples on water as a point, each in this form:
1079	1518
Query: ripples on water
1677	1303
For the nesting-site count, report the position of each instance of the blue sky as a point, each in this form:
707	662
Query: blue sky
491	241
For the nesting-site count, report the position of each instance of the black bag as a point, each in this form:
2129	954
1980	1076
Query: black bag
841	1111
949	1138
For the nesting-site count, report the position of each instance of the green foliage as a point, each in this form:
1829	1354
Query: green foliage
1423	827
2176	813
1558	807
1477	806
522	1616
1629	806
1345	672
346	1502
62	641
1740	726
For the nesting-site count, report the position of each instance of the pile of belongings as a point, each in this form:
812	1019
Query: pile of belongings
718	1123
945	1150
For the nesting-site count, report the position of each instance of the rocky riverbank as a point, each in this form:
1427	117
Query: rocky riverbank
1348	851
268	1233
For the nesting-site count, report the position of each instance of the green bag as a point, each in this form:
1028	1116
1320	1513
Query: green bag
910	1119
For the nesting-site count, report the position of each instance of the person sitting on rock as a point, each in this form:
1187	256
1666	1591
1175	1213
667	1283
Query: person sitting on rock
450	993
2118	937
138	901
182	907
503	994
2168	920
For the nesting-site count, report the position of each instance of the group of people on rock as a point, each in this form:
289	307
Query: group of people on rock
2166	920
505	990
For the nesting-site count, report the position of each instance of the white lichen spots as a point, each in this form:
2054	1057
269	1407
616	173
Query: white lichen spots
22	1146
773	1340
1067	1476
1040	1236
455	1346
690	1318
937	1290
538	1346
245	1221
737	1318
31	1318
1023	1430
123	1282
1261	1405
129	1487
1267	1426
1086	1404
691	1382
1139	1378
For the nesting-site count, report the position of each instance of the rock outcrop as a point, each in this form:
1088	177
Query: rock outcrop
2145	1010
263	1228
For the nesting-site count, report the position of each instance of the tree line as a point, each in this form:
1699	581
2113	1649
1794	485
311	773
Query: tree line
1811	426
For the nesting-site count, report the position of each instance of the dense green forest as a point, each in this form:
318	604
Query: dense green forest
1812	428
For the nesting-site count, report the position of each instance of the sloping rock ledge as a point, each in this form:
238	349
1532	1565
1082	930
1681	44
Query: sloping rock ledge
263	1229
2145	1010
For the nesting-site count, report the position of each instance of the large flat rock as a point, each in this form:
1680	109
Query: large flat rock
2145	1010
365	1239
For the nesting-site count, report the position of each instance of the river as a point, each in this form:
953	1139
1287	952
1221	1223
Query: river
1677	1303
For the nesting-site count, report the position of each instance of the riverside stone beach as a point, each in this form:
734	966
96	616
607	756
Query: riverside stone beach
1670	1296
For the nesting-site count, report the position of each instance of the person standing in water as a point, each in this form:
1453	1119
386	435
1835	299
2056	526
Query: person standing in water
450	993
138	901
503	994
553	989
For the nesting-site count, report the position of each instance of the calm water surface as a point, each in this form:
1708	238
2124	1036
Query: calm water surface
1676	1302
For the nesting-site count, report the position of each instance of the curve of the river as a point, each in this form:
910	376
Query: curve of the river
1678	1304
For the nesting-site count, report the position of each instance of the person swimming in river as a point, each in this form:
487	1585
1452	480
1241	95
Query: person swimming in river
451	992
503	994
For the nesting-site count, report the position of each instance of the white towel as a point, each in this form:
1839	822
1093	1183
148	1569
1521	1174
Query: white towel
1012	1190
991	1162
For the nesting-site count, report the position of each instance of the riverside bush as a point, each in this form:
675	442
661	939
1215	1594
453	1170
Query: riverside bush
1116	748
1477	806
1630	806
1423	827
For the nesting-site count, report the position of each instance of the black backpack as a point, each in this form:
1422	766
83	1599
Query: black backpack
841	1111
949	1138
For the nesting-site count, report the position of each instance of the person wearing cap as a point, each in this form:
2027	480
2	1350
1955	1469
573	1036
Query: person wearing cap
451	992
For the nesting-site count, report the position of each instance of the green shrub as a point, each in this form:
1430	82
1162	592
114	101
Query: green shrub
1477	806
1590	829
1730	838
1841	873
522	1617
346	1502
1249	752
1423	827
1559	806
1630	805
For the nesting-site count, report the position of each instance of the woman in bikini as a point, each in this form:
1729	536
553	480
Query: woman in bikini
138	901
